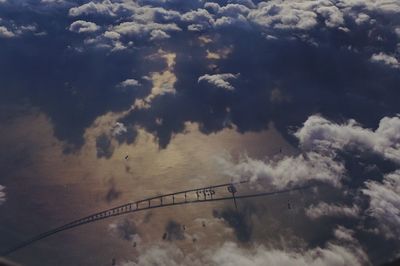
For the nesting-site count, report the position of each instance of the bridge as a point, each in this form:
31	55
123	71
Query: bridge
227	191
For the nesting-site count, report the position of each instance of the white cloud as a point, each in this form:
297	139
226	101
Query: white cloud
288	170
247	3
112	35
118	129
343	250
385	59
384	204
324	209
129	83
233	10
362	18
104	8
199	16
320	139
219	80
6	33
81	26
333	254
382	6
133	28
12	30
159	35
333	16
322	135
284	15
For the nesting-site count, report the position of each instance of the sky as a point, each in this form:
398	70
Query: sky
281	92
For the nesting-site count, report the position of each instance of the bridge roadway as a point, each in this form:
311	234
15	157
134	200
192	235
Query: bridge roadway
227	191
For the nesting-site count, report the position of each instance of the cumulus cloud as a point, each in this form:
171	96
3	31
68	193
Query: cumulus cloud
81	26
285	15
119	129
134	28
320	142
122	133
289	170
320	134
332	254
6	33
219	80
314	68
323	149
112	35
343	250
384	204
129	83
199	17
159	35
385	59
9	29
105	7
324	209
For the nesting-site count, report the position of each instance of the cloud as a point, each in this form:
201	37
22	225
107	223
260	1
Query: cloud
322	145
129	83
158	35
295	59
104	8
291	15
138	29
2	195
128	27
331	254
125	229
384	202
118	129
342	250
290	170
324	209
6	33
365	191
385	59
199	17
112	35
81	26
219	80
320	134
